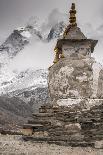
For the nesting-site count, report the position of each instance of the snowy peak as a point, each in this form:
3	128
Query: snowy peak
21	37
24	32
33	32
56	31
14	44
18	40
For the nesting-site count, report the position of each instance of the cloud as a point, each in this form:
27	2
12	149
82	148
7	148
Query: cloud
36	55
54	17
97	34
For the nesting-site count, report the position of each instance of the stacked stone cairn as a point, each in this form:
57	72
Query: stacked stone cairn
75	115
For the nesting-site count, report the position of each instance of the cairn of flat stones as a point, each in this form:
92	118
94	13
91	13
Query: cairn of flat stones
67	126
75	115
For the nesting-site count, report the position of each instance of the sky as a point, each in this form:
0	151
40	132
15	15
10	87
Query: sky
16	13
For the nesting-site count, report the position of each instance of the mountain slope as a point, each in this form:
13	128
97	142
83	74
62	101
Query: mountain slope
29	79
14	44
13	112
17	108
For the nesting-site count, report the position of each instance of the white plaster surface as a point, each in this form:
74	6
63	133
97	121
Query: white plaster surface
68	102
88	102
96	70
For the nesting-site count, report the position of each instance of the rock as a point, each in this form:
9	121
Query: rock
99	144
73	127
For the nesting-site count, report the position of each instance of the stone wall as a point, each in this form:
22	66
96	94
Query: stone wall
71	126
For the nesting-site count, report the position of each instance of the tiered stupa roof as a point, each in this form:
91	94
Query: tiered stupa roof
72	33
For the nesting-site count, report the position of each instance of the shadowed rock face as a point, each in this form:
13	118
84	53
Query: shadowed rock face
75	78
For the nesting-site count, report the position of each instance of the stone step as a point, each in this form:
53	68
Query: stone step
93	120
72	120
42	114
32	126
42	122
66	113
64	133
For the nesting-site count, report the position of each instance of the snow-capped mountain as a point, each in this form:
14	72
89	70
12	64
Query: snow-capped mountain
13	45
56	31
26	90
18	40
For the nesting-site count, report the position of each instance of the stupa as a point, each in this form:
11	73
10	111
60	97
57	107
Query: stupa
71	76
75	82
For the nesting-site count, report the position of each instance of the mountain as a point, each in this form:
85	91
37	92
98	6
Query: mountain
17	40
14	43
25	91
56	31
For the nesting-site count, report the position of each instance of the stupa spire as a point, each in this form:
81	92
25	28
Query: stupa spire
72	18
72	23
72	36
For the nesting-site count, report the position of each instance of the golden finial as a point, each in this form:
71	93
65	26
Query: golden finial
72	18
56	54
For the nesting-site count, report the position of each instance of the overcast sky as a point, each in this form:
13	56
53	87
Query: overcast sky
16	13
